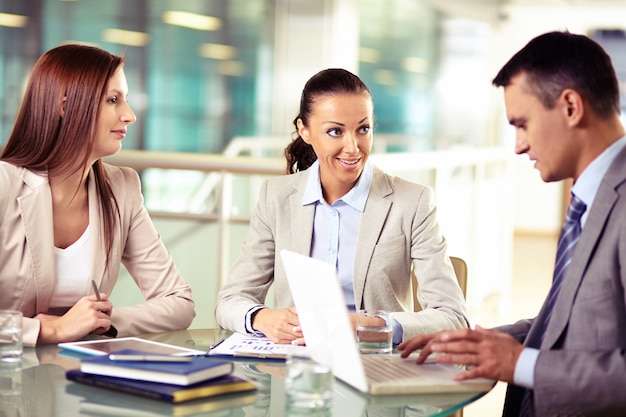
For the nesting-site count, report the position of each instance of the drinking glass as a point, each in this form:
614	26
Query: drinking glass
10	339
308	384
374	331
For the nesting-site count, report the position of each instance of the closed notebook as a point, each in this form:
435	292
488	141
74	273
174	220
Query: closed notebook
228	384
200	368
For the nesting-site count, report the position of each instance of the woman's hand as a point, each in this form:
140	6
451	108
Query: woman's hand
88	315
279	325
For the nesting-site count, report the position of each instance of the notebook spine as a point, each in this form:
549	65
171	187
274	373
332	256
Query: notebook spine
85	379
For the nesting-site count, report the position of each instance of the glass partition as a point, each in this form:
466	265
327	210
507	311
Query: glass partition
195	68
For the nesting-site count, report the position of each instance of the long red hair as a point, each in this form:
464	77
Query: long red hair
56	123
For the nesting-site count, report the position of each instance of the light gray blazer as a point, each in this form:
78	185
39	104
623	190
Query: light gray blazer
398	231
27	262
581	369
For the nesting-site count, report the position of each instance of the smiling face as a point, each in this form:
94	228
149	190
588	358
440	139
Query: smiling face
542	133
114	117
340	132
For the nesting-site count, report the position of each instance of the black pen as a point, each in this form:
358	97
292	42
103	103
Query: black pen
95	289
216	344
112	332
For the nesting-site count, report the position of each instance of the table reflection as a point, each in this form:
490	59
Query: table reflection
44	391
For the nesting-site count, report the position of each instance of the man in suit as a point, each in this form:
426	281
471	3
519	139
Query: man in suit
562	96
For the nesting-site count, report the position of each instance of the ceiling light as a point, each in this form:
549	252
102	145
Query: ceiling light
217	51
385	77
13	20
191	20
369	55
415	64
231	68
125	37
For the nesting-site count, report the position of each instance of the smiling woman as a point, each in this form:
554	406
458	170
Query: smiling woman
340	133
88	216
338	207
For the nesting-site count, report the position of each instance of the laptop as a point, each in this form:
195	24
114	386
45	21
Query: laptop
331	340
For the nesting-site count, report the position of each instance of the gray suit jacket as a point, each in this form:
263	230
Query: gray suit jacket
27	262
398	231
581	368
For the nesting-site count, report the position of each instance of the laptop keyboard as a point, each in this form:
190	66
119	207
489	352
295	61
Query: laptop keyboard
382	368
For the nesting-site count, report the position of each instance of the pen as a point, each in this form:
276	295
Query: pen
216	344
95	289
112	332
149	358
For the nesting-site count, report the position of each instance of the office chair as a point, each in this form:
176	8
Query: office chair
460	269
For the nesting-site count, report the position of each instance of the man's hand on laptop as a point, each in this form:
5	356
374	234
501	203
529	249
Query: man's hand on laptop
279	325
486	353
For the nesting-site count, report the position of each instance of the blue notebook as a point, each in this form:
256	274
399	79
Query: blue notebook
216	387
200	368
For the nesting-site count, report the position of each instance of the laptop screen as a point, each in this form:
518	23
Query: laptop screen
323	316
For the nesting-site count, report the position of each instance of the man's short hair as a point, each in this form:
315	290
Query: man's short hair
555	61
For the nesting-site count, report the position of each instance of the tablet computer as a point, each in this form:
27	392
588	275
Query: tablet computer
106	346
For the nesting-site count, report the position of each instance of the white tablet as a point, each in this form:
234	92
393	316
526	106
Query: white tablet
106	346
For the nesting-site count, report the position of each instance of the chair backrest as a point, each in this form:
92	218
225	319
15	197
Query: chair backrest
460	269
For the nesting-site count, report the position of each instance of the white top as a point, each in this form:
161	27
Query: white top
72	272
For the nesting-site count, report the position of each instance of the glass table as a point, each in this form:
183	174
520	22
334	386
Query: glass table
46	393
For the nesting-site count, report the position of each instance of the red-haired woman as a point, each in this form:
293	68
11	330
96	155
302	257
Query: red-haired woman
67	218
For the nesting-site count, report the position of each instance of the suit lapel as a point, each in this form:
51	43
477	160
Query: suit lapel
35	205
301	218
371	225
603	203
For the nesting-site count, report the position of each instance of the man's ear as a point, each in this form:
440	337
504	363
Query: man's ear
62	107
573	106
303	131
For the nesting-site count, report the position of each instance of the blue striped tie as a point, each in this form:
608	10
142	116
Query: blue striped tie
564	252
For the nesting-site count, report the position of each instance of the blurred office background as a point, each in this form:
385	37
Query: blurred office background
216	84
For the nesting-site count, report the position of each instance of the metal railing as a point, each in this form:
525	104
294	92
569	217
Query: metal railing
222	166
477	225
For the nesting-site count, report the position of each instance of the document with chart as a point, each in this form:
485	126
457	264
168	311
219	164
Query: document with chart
249	346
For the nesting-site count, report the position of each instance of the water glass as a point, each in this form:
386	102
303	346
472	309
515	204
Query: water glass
308	384
10	339
374	331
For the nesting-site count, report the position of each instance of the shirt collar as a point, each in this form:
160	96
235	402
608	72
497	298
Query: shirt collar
356	197
587	185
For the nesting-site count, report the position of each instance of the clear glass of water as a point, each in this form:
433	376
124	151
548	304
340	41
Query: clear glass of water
308	384
10	339
374	331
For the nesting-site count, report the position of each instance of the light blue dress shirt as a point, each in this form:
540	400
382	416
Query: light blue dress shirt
335	226
335	230
586	187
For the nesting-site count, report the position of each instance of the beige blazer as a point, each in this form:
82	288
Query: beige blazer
27	262
398	231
